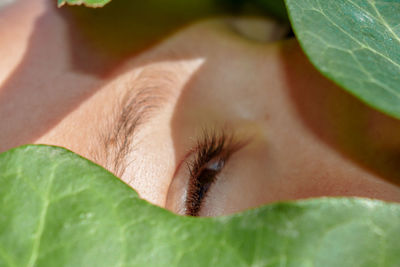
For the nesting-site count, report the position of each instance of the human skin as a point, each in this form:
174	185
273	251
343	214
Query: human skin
302	136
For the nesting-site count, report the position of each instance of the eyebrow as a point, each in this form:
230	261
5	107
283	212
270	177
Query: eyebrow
145	95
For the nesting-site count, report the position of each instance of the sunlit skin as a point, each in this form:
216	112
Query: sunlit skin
302	135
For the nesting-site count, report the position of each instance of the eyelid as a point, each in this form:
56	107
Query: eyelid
178	187
200	141
212	146
215	144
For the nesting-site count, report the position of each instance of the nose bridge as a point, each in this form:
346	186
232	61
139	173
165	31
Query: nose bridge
239	76
266	86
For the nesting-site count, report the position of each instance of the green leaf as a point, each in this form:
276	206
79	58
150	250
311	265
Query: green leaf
89	3
58	209
355	43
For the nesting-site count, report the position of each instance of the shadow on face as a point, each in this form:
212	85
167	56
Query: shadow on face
304	136
245	123
71	53
44	87
359	133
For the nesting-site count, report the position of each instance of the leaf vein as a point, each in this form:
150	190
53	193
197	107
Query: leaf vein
42	220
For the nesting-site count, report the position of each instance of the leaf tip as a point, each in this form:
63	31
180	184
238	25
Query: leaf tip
60	3
93	4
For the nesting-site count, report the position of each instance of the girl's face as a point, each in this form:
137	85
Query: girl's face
211	122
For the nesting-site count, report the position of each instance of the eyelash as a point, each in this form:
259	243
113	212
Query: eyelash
211	147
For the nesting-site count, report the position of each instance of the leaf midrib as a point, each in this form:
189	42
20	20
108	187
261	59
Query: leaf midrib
42	221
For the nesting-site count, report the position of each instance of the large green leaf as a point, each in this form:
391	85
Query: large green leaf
58	209
356	43
89	3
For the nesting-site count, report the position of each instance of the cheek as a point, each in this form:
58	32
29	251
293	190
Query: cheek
259	175
152	166
245	182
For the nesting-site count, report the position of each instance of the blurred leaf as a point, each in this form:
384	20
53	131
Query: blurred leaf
89	3
275	8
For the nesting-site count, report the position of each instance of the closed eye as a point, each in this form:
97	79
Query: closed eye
211	155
